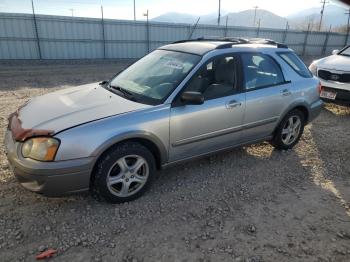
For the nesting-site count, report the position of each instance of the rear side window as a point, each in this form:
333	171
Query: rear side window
260	71
294	62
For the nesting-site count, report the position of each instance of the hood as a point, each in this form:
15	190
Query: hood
74	106
334	62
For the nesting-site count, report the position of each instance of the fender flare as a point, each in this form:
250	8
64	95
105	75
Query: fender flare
132	135
295	104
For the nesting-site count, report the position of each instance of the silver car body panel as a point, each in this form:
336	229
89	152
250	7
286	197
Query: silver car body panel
74	106
89	119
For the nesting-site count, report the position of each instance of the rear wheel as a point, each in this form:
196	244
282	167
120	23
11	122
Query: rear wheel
289	130
123	173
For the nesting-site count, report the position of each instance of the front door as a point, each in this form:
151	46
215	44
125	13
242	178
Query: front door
215	124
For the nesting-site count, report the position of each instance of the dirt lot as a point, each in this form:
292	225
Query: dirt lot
250	204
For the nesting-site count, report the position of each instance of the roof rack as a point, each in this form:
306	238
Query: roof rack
221	39
234	41
267	42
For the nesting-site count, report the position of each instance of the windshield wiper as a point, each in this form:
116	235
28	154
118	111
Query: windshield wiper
125	92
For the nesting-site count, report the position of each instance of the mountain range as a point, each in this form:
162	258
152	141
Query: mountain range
333	15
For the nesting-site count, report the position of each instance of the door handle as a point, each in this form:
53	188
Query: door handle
286	92
233	104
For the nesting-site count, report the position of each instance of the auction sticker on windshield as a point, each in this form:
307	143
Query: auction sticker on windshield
174	64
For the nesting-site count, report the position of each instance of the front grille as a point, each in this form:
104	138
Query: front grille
326	75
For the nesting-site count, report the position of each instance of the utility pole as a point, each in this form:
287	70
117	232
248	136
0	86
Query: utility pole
255	7
219	14
347	28
72	11
134	10
323	2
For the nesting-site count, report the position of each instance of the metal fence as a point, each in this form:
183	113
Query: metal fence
23	36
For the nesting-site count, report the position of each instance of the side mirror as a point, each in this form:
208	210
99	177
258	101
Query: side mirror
192	98
103	83
335	52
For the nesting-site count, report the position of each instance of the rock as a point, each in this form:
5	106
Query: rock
229	250
19	237
41	248
251	229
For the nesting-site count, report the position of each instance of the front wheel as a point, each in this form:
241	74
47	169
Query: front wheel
123	173
289	130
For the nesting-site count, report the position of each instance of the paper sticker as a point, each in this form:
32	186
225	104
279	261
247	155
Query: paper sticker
174	64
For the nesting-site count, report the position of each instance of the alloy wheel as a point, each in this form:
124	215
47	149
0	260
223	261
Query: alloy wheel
291	130
127	175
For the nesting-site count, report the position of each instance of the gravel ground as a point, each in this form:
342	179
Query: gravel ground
249	204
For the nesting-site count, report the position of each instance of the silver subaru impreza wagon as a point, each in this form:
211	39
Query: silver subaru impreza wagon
183	100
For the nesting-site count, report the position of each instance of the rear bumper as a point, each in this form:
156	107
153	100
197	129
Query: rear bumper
315	110
48	178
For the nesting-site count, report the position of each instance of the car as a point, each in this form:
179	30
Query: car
334	73
184	100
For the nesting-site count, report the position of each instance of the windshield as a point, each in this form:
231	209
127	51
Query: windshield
346	51
152	79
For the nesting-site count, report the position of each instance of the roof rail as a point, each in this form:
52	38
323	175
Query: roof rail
221	39
234	41
267	42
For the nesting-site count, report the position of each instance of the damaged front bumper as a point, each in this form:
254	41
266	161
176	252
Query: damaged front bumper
54	178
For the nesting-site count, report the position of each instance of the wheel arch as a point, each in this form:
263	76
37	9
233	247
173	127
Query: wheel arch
148	140
301	106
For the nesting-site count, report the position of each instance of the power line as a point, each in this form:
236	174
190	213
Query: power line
323	2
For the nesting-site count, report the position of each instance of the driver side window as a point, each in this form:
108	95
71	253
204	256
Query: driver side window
217	78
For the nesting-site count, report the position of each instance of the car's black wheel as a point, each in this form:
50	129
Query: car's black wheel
123	173
289	130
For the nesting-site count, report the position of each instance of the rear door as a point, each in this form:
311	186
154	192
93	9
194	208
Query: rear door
267	94
215	124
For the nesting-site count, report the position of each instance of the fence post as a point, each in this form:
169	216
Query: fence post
36	32
226	26
326	41
103	34
305	39
258	31
285	33
347	27
148	44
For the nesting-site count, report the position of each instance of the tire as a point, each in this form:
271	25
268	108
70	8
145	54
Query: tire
123	173
295	131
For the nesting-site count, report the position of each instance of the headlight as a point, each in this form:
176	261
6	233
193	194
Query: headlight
40	148
313	68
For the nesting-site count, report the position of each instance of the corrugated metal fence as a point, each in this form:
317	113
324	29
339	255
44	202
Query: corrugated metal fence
59	37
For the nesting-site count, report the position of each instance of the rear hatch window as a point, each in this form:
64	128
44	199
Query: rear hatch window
295	62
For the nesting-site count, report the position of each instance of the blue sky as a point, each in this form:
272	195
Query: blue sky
123	9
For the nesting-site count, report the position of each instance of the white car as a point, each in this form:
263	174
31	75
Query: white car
334	74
